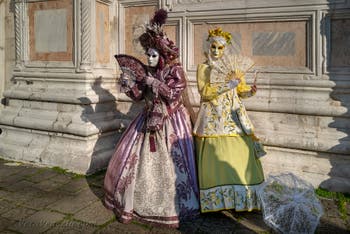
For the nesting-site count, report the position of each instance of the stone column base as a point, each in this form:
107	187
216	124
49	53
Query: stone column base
82	155
325	170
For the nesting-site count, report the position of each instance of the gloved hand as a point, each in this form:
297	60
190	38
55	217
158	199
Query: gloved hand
253	88
153	83
149	80
233	83
126	82
124	79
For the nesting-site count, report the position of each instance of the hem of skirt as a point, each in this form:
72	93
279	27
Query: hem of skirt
159	221
246	203
159	224
154	223
232	208
108	203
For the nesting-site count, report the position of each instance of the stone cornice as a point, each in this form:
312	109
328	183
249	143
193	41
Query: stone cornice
248	5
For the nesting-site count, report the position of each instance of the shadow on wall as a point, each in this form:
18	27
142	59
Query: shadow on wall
105	116
336	31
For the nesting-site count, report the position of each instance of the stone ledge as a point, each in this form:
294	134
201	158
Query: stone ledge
77	123
317	168
305	132
82	155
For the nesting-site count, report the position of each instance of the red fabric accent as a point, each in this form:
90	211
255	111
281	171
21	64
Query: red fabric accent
135	91
152	143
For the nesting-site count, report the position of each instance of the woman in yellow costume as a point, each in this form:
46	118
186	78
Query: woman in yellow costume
229	169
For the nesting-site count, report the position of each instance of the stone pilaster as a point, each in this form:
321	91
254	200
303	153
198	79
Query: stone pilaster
62	108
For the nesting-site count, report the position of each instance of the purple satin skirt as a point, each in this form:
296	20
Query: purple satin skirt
152	176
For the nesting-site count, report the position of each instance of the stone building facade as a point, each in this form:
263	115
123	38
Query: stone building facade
62	106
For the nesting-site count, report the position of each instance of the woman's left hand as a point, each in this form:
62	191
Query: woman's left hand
149	80
254	88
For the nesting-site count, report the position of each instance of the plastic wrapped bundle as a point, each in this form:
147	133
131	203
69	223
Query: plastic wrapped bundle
289	204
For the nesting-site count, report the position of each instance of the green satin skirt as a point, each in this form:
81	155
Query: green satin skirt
229	173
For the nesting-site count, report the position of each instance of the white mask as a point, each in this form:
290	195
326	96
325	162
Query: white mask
152	57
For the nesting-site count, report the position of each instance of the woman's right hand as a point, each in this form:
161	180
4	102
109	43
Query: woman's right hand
125	82
233	79
233	83
124	79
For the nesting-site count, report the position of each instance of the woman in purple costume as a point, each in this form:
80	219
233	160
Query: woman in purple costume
151	175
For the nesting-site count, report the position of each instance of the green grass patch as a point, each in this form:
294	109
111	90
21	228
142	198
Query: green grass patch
341	199
325	193
66	172
69	217
78	176
60	170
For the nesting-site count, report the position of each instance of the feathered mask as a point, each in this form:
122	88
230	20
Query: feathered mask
154	37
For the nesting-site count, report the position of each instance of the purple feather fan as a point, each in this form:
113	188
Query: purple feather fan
159	17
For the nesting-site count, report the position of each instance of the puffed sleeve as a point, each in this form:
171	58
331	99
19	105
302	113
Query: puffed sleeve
209	91
244	90
174	84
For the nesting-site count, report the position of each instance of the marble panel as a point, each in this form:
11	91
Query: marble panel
340	42
51	30
47	38
236	46
172	33
280	44
273	43
135	19
102	33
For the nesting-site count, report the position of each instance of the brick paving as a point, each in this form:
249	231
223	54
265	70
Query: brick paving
44	200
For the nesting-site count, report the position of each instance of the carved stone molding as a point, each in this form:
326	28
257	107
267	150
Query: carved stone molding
20	29
200	5
85	21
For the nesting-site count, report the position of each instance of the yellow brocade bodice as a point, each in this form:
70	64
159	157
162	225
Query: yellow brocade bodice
221	112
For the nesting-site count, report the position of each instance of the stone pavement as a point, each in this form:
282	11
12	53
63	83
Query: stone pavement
44	200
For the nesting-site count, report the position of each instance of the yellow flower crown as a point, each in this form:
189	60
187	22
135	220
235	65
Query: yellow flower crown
219	33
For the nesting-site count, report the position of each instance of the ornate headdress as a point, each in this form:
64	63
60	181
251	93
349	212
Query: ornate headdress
154	37
219	33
